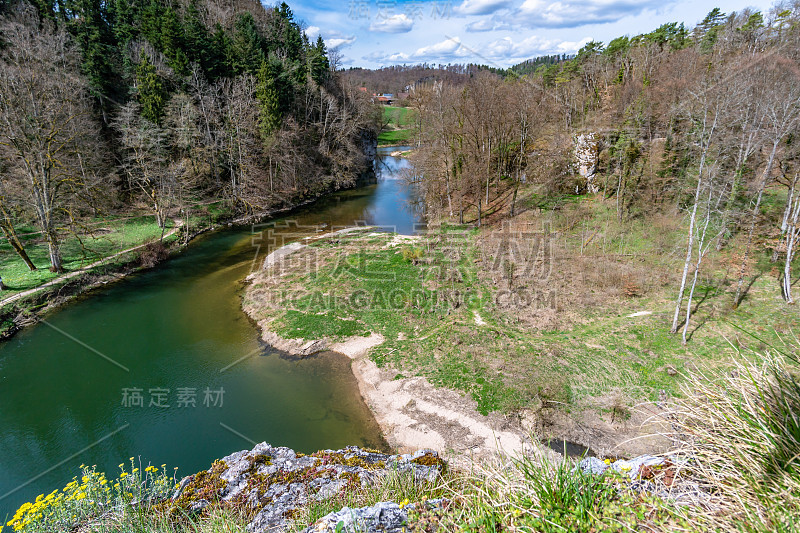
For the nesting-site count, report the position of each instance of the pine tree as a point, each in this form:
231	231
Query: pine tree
88	24
247	51
150	21
220	54
171	41
318	65
196	37
151	92
269	113
123	16
708	30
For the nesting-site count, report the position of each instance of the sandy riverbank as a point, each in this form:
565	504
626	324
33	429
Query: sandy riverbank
412	413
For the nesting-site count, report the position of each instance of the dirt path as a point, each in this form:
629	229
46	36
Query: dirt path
83	270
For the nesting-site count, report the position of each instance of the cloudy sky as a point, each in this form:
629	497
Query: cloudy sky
375	33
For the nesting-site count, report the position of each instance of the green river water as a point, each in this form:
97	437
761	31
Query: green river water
67	386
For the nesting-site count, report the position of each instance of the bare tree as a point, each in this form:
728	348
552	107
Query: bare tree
7	225
778	92
145	161
710	114
791	234
45	122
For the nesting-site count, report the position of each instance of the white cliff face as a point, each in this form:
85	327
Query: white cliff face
586	155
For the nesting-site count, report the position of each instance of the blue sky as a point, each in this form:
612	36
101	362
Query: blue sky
375	33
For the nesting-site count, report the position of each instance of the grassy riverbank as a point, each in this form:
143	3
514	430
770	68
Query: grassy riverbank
577	325
96	252
100	239
399	123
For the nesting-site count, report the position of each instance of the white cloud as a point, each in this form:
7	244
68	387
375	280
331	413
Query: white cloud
340	42
444	51
480	25
333	39
573	13
488	24
400	23
570	47
312	32
446	48
505	50
480	7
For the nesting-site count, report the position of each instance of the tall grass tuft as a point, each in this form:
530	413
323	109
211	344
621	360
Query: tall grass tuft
740	438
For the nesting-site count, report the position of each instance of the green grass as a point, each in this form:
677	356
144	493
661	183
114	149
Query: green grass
399	117
400	126
298	325
394	137
106	238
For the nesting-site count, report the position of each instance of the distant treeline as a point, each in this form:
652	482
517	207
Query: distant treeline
400	78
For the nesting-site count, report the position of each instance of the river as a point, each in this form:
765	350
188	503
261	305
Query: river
164	366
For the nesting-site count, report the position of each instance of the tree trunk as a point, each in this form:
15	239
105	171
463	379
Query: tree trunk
13	240
54	252
743	267
700	254
792	234
689	250
787	212
514	200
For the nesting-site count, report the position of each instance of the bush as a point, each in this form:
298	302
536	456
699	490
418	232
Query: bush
93	496
152	254
413	254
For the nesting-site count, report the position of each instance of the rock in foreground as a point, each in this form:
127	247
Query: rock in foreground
272	484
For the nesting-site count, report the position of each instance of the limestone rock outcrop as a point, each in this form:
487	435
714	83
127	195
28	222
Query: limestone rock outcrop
272	483
587	148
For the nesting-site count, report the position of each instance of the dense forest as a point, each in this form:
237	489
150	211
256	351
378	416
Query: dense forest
165	106
700	124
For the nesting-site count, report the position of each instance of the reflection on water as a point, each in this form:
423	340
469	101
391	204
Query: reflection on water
165	366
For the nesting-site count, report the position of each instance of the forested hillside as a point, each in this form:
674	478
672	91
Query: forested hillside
166	107
401	78
698	126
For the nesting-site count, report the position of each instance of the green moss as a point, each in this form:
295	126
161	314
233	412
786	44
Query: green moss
342	459
430	459
206	485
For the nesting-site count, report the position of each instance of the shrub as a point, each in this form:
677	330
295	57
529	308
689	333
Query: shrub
152	254
91	496
413	254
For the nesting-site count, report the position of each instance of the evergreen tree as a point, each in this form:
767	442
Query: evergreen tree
220	54
318	65
196	37
171	41
88	24
246	46
708	30
123	17
152	94
150	22
269	112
